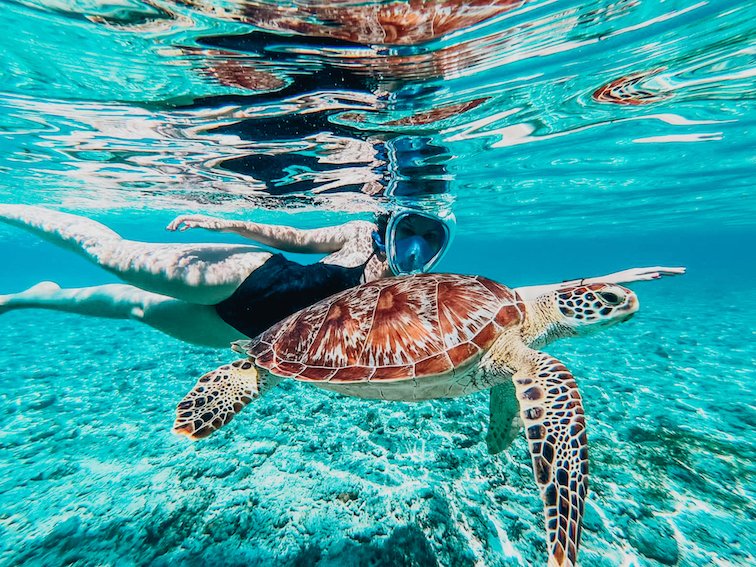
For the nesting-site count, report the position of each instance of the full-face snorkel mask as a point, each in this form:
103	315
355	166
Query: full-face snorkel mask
417	240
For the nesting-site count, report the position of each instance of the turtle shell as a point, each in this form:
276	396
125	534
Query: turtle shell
388	330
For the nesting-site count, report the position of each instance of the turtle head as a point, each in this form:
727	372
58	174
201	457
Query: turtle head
589	308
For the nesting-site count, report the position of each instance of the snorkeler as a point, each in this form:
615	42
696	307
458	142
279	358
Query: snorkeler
212	294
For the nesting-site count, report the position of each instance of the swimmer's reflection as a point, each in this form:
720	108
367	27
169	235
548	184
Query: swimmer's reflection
309	148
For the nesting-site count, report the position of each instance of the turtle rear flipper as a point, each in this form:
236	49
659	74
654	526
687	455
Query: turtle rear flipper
504	422
217	397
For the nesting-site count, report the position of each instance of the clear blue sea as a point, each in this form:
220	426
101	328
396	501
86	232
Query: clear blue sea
569	138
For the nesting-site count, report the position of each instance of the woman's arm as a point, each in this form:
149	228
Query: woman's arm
289	239
623	277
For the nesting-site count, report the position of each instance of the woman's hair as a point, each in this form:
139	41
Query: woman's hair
381	221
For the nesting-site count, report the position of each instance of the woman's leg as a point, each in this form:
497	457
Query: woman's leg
191	323
197	273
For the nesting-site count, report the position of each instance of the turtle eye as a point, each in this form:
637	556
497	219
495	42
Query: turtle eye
610	297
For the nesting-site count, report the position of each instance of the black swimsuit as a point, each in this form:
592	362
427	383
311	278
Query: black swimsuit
281	287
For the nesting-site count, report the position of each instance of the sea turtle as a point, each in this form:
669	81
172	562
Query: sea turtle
431	336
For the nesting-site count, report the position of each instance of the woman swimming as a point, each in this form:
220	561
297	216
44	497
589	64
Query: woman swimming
213	294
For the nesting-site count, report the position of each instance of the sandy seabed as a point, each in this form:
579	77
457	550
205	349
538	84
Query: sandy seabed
91	474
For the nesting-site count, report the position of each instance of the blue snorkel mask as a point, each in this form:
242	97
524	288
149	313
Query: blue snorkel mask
416	240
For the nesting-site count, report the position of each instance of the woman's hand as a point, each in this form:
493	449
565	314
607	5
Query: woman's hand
640	274
185	222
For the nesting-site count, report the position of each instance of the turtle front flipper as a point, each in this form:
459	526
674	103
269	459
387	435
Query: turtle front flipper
552	412
504	422
217	397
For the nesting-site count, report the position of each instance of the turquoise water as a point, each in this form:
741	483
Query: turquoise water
569	139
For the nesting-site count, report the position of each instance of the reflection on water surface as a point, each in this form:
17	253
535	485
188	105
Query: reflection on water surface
551	116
